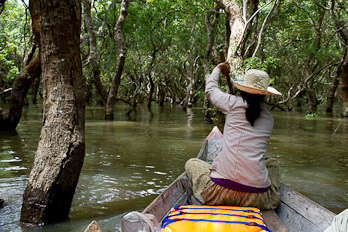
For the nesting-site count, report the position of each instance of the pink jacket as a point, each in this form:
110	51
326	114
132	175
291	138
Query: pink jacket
244	146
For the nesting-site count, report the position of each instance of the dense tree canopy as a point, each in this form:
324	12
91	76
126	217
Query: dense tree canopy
302	45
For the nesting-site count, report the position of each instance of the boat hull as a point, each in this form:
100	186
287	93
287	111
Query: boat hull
295	212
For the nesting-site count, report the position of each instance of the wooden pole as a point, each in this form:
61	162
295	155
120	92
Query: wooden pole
230	87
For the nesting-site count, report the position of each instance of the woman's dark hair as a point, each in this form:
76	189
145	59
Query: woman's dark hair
254	105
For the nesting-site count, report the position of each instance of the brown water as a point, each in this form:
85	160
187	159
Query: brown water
131	160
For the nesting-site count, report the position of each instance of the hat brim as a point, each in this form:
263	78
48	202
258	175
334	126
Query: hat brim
269	91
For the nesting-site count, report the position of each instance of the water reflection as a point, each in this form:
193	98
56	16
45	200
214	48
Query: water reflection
190	117
132	159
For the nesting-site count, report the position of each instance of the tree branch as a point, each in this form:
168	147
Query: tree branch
5	91
262	28
246	25
2	6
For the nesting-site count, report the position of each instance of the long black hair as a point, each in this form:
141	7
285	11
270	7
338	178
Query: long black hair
254	105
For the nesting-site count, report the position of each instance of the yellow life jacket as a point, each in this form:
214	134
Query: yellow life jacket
204	218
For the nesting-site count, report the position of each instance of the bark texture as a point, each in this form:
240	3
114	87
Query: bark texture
237	24
110	104
61	148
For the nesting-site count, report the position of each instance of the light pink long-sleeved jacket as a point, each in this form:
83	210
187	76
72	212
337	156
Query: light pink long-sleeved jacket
244	146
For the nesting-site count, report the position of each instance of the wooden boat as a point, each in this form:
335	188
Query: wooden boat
295	213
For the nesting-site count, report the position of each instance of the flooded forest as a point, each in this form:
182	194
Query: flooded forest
102	102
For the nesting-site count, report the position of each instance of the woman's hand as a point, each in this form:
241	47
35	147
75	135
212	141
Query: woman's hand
224	67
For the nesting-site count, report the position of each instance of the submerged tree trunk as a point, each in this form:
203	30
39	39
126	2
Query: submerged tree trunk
209	26
161	95
152	90
344	92
310	90
93	53
61	149
187	100
116	80
335	82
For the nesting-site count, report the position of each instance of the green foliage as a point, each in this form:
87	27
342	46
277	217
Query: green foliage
13	39
166	39
218	117
224	88
312	115
255	63
200	95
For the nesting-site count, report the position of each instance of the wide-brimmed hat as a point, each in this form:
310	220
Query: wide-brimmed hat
256	82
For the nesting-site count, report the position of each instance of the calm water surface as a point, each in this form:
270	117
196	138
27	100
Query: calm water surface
131	160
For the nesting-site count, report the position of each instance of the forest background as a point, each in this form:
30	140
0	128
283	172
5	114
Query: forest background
143	51
303	46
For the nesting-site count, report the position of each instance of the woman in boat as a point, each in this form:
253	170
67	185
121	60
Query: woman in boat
240	175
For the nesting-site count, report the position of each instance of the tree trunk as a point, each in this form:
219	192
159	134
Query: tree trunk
61	149
161	95
344	92
110	104
19	91
93	53
310	90
312	101
237	24
35	88
332	91
188	93
152	89
209	26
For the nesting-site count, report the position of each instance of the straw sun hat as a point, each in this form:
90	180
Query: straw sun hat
256	82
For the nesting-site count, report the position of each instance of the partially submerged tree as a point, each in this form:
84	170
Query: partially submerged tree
23	81
61	150
122	50
339	12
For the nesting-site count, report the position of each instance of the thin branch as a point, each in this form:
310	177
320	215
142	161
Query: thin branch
245	6
322	6
317	72
5	91
262	28
246	24
333	34
26	6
